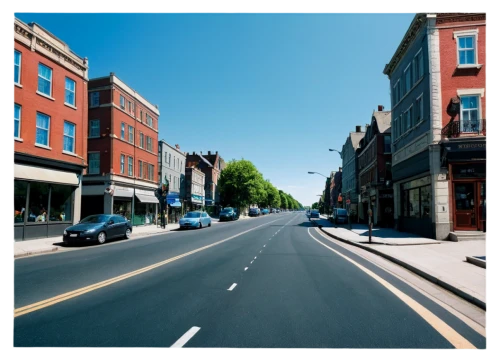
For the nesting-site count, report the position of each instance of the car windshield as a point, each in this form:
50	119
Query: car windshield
192	215
93	219
341	212
225	211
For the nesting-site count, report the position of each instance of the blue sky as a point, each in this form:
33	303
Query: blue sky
276	89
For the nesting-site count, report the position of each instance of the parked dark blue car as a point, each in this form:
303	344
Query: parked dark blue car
228	214
98	228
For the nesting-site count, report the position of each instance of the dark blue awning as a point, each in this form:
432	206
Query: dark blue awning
172	198
175	204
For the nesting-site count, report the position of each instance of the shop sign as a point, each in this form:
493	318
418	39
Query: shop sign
144	192
385	196
473	170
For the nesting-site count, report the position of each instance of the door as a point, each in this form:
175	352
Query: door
465	206
481	212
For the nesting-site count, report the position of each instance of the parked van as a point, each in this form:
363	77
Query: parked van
340	216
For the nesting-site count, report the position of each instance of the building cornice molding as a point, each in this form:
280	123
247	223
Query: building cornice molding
459	17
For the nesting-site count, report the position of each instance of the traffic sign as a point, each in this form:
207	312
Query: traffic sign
348	202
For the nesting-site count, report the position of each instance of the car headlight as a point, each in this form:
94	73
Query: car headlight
90	231
65	232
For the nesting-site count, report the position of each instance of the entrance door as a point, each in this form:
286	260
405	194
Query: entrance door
465	201
481	192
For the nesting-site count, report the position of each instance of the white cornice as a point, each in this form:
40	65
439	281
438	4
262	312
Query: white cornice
115	80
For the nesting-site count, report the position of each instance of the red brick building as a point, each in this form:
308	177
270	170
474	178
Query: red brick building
50	129
122	152
462	47
375	177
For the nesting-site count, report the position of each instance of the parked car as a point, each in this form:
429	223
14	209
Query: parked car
265	211
273	211
100	228
195	220
340	216
278	211
254	212
314	214
228	214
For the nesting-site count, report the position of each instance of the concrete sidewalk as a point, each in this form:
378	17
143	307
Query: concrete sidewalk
441	262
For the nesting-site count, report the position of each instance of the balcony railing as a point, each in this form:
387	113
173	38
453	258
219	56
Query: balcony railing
455	129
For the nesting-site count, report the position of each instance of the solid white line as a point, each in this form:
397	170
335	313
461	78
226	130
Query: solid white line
246	268
232	287
186	337
439	325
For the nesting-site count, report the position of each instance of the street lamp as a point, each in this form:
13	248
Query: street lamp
317	173
335	150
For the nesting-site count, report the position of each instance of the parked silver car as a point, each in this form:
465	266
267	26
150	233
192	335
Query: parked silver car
195	220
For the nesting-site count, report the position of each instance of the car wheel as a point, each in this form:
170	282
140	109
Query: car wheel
101	238
209	224
200	226
128	232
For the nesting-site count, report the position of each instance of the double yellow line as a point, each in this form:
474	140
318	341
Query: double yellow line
69	295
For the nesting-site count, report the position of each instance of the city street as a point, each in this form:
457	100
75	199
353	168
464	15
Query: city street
270	282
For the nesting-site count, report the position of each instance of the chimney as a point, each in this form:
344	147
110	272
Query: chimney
340	169
177	146
216	152
380	108
358	129
194	153
209	153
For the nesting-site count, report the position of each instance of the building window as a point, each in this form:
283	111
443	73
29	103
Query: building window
396	92
151	171
122	102
69	92
42	129
419	109
130	166
178	167
418	66
140	169
141	115
387	144
20	194
141	140
469	114
17	121
146	173
407	119
69	137
61	202
408	79
44	80
129	106
169	161
94	163
149	143
17	67
466	50
123	131
174	161
38	202
122	164
149	120
130	134
94	99
94	128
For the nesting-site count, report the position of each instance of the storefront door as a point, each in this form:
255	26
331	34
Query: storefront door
465	201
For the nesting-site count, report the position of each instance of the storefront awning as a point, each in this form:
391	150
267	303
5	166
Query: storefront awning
123	192
147	198
27	172
176	204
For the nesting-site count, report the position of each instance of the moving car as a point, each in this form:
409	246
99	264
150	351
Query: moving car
314	214
228	214
100	227
195	219
254	212
340	216
265	211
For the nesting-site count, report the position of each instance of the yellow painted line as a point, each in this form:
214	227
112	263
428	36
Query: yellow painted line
68	295
439	325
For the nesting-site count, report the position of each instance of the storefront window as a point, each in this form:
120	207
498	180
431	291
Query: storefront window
122	207
414	203
38	202
20	192
61	203
425	201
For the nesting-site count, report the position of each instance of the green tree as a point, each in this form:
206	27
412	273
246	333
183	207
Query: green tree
283	199
240	184
314	206
273	195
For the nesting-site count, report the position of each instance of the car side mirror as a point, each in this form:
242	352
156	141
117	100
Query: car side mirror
111	222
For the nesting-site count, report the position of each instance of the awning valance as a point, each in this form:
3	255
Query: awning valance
27	172
147	198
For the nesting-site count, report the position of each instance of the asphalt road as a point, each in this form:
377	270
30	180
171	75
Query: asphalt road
268	282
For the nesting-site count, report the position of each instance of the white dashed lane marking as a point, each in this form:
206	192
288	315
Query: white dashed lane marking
186	337
246	268
232	287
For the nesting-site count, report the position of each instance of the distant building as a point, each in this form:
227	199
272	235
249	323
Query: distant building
172	165
437	80
375	177
195	188
350	186
123	152
50	130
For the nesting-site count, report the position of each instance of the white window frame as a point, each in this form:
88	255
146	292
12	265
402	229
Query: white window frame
18	82
149	143
50	80
409	86
397	92
18	120
122	163
73	138
130	134
93	96
92	127
467	33
479	109
45	129
122	102
122	131
130	166
140	169
407	119
92	168
141	140
418	66
66	89
151	171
